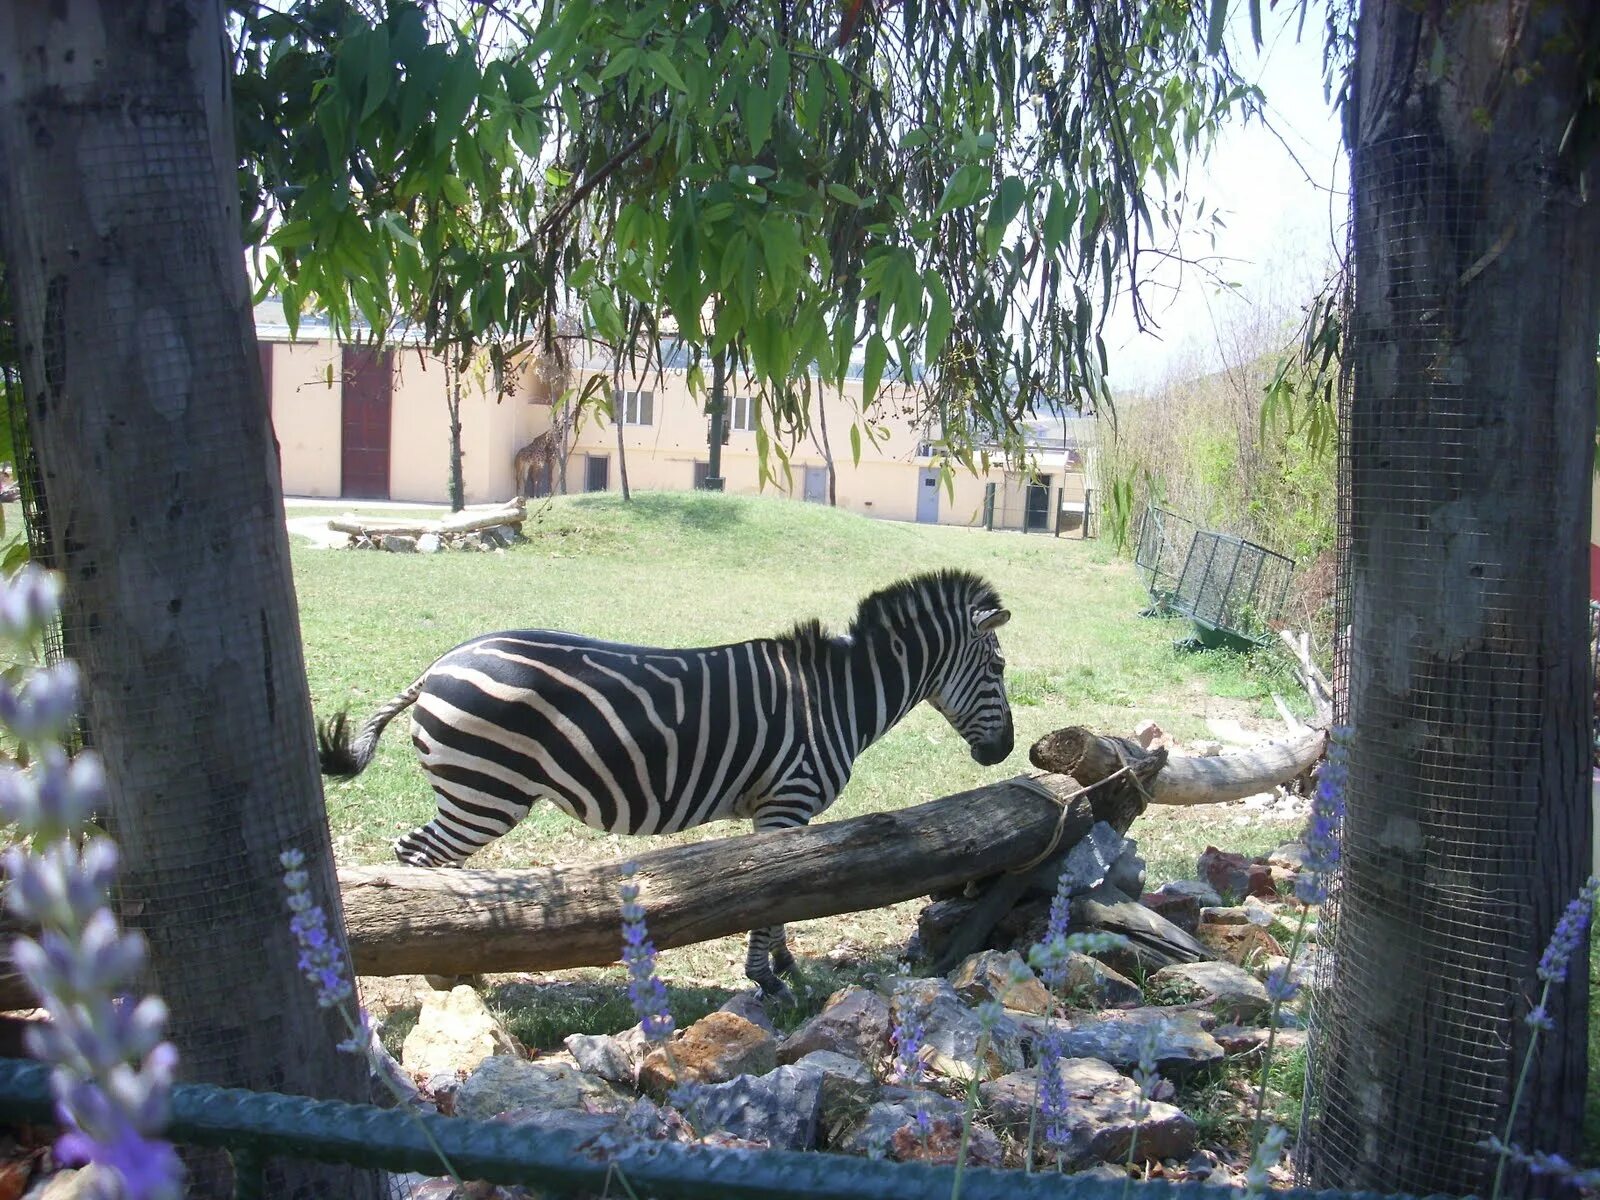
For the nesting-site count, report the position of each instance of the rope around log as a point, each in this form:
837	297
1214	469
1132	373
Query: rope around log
1064	804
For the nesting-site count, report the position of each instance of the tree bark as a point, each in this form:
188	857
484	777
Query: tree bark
410	920
466	521
145	404
619	407
1469	443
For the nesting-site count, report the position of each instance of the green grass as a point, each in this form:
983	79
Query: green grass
684	569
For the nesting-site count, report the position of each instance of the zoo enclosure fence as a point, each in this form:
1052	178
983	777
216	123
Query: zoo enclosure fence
254	1127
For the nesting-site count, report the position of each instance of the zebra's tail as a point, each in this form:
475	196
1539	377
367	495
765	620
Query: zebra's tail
339	756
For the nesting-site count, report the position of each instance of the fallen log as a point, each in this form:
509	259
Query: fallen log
1092	757
409	920
467	521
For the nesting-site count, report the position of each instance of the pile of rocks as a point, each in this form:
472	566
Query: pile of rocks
483	527
495	537
832	1083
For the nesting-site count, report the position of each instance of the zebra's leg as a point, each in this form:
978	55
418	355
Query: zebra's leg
769	954
463	825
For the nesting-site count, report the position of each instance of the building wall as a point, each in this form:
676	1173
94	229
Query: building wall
306	408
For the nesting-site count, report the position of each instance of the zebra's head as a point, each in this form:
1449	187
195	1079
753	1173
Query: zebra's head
971	691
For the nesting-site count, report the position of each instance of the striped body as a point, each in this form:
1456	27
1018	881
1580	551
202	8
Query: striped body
639	740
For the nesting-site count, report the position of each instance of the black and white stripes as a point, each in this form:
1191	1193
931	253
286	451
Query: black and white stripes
634	739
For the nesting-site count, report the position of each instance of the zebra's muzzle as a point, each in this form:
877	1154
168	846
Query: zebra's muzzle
995	750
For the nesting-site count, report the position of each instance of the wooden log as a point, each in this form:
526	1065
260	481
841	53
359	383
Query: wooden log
1182	780
467	521
409	920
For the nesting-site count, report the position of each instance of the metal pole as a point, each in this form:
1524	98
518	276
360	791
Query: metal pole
718	411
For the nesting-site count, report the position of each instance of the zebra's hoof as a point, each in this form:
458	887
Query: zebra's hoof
782	962
775	991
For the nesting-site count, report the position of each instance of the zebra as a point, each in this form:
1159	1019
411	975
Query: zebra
641	740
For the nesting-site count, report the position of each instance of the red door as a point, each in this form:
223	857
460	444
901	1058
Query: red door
368	379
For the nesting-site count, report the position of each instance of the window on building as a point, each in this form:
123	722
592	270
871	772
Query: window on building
742	413
596	472
638	408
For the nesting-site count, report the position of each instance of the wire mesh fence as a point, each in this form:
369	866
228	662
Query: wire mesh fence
1232	585
1162	549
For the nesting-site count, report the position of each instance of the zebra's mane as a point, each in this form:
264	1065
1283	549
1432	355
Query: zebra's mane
905	599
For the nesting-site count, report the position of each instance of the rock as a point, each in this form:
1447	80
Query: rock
442	1089
854	1022
954	1042
780	1108
1182	1043
1243	1039
1291	855
1103	1173
893	1131
455	1031
428	543
1089	862
575	1122
1225	871
1090	979
989	974
1128	872
718	1047
1205	749
1237	943
1230	914
1100	1117
1227	990
82	1183
1183	911
605	1056
1148	734
398	543
1204	893
749	1006
848	1088
501	1084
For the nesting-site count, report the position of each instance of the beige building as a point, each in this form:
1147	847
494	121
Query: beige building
362	424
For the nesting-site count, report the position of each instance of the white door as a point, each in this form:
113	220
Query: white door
928	496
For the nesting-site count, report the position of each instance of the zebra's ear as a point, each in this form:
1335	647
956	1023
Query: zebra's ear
985	619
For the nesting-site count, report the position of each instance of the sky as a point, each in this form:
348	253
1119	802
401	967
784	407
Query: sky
1281	225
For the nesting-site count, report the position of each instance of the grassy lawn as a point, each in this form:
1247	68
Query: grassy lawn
684	569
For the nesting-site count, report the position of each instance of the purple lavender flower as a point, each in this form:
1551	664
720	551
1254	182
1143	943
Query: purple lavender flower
646	992
42	708
1568	935
1145	1072
1054	1097
906	1038
1268	1154
1327	819
29	603
1280	987
321	957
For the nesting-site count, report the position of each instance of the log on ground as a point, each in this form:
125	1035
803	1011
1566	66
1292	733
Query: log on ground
1092	757
412	920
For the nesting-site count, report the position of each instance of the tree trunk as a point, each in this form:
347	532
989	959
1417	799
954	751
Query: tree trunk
619	407
1469	443
452	389
827	450
412	920
147	412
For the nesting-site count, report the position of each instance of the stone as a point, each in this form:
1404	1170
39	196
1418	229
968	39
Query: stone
1127	874
854	1022
501	1084
1292	856
718	1047
1231	914
603	1055
1102	1172
1247	1039
936	923
1090	979
1229	991
398	543
1225	871
1205	748
1088	863
428	543
442	1089
1147	733
78	1183
1204	893
1240	944
892	1131
954	1043
848	1087
1100	1118
989	975
1181	1041
1182	910
749	1006
455	1031
781	1108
